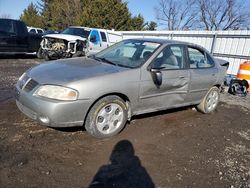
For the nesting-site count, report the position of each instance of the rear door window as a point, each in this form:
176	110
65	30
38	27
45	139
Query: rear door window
39	31
104	38
21	29
197	58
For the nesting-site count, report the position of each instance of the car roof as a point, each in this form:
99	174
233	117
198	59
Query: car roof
30	27
167	41
91	28
79	27
8	19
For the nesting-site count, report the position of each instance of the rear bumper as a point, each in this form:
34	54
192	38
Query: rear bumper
52	113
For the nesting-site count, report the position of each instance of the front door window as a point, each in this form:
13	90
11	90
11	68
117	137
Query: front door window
171	57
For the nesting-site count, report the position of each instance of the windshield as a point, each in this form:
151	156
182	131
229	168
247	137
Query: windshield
76	31
128	53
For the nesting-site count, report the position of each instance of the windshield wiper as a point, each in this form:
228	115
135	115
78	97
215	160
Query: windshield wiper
103	60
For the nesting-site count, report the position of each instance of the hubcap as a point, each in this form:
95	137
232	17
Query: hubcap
212	100
109	118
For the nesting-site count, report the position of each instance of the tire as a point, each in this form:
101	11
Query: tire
47	57
107	117
78	54
210	101
39	53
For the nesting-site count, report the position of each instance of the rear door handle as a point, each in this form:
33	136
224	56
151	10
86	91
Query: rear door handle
181	77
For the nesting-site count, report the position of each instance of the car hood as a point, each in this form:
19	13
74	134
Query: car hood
64	36
63	72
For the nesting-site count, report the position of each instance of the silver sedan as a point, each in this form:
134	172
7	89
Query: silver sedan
132	77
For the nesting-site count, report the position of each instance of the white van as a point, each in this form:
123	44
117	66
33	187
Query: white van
35	30
77	41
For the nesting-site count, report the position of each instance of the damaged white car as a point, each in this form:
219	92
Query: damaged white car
76	41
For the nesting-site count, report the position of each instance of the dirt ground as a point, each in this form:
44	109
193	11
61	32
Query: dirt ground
176	148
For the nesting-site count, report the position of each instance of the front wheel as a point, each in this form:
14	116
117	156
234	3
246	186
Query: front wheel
79	54
107	117
210	101
39	53
47	57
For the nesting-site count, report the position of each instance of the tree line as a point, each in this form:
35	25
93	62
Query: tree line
107	14
203	14
114	14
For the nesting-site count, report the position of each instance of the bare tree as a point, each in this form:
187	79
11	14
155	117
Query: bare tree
223	14
175	14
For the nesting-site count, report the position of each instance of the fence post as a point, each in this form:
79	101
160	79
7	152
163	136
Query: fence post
172	35
213	43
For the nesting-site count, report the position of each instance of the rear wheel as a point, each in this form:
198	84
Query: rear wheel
107	117
210	101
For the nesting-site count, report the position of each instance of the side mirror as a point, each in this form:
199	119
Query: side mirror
93	38
157	76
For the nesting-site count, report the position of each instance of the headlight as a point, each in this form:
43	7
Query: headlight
57	92
22	80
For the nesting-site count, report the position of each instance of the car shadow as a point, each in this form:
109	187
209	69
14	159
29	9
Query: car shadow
18	56
125	170
70	129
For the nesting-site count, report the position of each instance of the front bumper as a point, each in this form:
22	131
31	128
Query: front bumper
52	113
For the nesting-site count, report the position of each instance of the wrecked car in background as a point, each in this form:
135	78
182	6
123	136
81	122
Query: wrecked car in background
76	42
135	76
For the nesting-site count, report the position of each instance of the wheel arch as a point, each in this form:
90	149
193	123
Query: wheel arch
121	95
218	86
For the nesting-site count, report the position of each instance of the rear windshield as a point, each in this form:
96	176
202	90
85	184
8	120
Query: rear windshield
76	31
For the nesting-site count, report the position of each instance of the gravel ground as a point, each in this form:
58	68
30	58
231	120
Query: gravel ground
174	148
243	102
11	68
